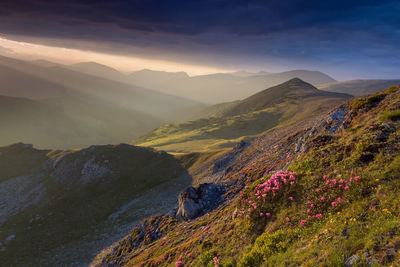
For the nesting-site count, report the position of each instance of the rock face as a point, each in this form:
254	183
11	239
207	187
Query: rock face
196	201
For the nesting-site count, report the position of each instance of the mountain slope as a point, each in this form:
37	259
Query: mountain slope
19	84
121	94
242	120
69	121
100	70
358	87
60	208
330	182
61	108
294	89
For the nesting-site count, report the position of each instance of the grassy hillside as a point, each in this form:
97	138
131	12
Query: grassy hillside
60	208
325	195
242	120
358	87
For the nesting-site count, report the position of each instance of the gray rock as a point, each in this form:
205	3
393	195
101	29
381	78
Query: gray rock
196	201
372	262
352	260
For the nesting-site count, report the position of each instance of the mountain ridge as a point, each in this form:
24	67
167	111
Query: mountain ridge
227	124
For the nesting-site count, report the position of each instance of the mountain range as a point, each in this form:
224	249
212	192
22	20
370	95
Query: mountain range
55	107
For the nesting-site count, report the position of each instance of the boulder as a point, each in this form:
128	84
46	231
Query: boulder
194	202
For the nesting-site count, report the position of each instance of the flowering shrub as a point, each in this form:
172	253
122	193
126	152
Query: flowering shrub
328	196
261	198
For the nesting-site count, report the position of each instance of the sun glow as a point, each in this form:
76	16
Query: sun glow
30	51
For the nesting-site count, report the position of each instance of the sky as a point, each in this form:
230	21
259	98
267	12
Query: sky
345	39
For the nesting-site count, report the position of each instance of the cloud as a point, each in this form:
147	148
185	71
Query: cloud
6	51
218	32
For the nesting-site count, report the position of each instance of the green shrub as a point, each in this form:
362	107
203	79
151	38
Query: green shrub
362	146
207	257
367	102
393	116
267	245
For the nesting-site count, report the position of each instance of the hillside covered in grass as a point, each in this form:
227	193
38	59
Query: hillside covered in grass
323	192
227	124
359	87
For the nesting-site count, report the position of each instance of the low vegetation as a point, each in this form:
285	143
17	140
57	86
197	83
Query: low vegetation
336	204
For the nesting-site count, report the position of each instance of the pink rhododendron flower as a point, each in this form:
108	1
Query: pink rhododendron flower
309	217
287	219
180	257
178	264
323	198
249	209
261	214
351	179
291	198
312	205
319	215
264	195
352	172
318	189
303	222
268	214
358	178
216	261
346	187
333	204
291	182
246	187
325	176
339	200
308	210
309	202
188	255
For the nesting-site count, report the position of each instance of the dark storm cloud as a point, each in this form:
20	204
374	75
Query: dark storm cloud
228	31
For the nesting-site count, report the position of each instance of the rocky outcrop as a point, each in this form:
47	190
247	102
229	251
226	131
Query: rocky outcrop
194	202
229	157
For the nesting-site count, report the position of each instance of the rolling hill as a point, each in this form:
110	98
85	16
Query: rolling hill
358	87
242	120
